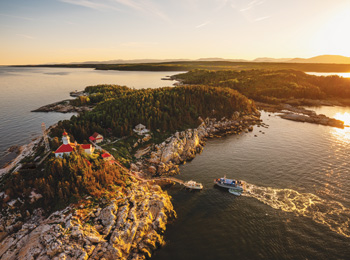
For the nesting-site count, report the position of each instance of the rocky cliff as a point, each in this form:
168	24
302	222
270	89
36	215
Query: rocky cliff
130	226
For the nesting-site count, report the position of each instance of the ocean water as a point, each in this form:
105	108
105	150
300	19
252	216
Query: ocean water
25	89
297	207
344	75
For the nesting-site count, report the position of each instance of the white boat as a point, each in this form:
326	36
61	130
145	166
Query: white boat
193	185
230	184
235	192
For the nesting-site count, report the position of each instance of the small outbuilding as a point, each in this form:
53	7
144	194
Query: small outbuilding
96	138
107	156
141	129
88	148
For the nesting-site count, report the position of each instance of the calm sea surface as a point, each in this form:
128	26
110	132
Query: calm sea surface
298	206
25	89
298	175
344	75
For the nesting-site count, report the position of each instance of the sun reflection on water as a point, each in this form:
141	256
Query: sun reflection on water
342	135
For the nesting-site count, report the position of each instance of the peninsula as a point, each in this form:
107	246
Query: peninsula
83	204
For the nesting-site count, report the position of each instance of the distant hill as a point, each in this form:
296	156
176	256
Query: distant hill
266	59
221	59
120	61
338	59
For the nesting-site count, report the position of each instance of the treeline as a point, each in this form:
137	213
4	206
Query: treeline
162	109
210	65
99	93
270	86
62	180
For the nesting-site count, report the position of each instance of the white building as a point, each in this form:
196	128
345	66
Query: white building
141	129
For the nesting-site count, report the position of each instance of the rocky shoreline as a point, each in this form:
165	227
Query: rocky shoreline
130	226
63	106
300	114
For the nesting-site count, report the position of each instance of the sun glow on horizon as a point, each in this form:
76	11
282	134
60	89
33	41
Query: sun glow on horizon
333	37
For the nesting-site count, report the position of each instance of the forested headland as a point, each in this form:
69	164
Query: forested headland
119	109
272	86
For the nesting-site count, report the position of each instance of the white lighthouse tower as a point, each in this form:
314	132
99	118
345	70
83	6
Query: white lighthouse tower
65	138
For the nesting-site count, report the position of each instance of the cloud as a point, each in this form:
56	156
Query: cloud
144	6
252	11
251	5
17	17
221	5
261	18
26	36
91	4
203	24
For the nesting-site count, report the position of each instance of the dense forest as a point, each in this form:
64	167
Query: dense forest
271	86
120	109
61	181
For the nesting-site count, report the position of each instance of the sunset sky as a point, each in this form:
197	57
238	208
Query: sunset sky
47	31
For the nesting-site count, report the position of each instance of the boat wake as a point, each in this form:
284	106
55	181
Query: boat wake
330	213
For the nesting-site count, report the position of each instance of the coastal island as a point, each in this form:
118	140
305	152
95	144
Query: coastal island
110	202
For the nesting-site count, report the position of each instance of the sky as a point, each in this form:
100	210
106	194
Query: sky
59	31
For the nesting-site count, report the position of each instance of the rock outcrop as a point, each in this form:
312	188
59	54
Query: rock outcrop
301	114
64	106
130	226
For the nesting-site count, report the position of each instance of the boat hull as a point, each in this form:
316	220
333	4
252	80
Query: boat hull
194	188
235	192
231	184
193	185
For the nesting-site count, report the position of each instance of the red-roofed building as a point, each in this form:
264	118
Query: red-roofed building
96	137
66	148
107	156
88	148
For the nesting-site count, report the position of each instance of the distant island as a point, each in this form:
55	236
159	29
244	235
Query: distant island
325	63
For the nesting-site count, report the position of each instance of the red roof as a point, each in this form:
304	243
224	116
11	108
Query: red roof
86	146
106	155
65	148
92	138
95	135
